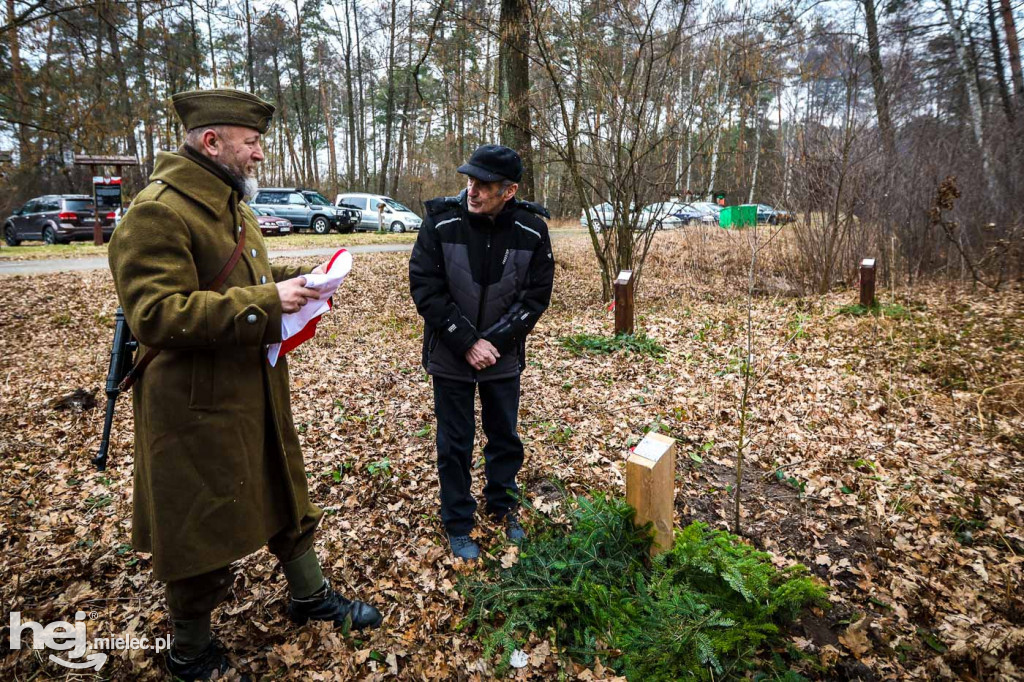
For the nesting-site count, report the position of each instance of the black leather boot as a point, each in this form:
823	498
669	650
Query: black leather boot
328	605
211	660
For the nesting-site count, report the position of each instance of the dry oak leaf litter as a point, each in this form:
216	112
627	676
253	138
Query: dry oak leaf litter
885	454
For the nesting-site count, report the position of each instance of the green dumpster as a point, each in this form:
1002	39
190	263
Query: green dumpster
738	216
725	217
744	215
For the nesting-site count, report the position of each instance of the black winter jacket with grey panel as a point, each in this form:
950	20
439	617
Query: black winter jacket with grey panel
473	278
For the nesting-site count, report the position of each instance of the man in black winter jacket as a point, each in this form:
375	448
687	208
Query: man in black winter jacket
480	275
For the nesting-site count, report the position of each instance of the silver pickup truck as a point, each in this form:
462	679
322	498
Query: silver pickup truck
306	209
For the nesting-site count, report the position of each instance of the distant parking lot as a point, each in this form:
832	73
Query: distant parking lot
39	250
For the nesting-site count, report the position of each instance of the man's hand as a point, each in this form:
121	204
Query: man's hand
321	269
294	294
482	355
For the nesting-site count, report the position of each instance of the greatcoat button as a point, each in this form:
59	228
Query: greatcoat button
263	279
251	319
254	252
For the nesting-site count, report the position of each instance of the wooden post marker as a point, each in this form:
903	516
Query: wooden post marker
867	282
651	487
624	303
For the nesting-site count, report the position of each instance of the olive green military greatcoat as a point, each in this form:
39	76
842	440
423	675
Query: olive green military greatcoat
218	469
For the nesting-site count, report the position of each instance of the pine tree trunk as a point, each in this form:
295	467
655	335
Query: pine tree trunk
213	55
1013	47
389	109
25	156
195	40
885	127
305	136
460	90
514	86
361	130
325	105
127	119
98	71
406	114
248	49
973	95
490	78
997	60
349	97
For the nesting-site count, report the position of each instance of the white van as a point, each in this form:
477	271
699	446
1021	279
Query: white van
397	218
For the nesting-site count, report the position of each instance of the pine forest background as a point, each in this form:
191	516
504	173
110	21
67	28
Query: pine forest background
892	128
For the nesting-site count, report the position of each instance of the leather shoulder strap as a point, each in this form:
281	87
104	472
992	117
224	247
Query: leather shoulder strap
214	285
222	276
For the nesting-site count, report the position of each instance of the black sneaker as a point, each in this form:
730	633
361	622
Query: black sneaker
463	547
513	530
330	606
202	667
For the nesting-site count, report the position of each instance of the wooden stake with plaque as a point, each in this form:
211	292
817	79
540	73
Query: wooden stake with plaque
867	282
624	302
651	487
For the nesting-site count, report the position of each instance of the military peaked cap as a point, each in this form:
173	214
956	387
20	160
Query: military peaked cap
222	106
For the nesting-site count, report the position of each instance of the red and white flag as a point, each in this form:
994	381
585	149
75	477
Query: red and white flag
297	328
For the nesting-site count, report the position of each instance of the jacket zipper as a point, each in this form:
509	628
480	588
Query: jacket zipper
483	289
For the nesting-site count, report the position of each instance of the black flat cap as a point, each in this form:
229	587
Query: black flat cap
493	162
222	106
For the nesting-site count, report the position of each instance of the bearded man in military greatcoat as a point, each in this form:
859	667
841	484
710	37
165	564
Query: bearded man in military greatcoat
218	468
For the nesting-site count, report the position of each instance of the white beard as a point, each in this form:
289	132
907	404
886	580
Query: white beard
252	186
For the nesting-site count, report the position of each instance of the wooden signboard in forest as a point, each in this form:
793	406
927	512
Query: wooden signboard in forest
650	487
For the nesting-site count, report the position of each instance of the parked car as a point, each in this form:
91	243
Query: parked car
272	225
773	216
667	215
119	213
397	218
687	214
709	211
56	219
702	212
603	214
305	208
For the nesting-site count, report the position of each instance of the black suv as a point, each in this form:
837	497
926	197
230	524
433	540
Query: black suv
56	219
306	208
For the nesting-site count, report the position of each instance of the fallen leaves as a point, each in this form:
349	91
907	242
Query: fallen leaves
856	638
911	510
510	557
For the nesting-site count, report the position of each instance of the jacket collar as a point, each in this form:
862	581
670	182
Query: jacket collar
194	181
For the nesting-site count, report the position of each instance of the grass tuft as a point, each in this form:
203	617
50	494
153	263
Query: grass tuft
581	344
893	311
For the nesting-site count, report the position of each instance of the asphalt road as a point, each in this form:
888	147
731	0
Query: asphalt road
50	265
38	267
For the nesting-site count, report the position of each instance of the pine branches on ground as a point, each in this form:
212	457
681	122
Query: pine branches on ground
704	610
